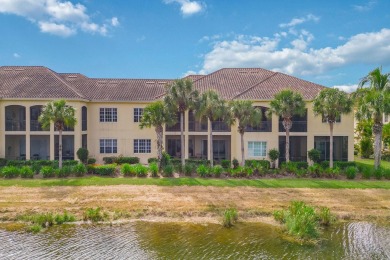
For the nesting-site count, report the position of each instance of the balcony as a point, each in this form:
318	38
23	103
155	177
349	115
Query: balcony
196	126
219	126
174	128
15	125
265	126
297	126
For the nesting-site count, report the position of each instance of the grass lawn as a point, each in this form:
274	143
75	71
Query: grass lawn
384	164
259	183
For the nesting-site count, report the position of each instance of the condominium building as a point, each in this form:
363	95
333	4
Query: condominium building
109	111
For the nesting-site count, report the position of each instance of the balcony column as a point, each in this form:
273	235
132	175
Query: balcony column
186	131
28	139
78	131
52	144
209	126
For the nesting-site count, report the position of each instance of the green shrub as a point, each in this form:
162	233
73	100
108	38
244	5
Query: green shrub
153	169
17	163
324	164
105	170
91	161
91	169
189	169
325	217
109	160
79	170
367	172
351	172
378	173
67	163
203	171
300	173
197	162
94	215
235	163
168	170
152	160
165	159
128	170
248	171
82	154
255	163
290	167
141	170
10	172
366	147
36	168
47	172
129	160
3	162
26	172
230	216
64	218
314	155
64	172
226	164
217	171
333	172
386	174
343	165
273	155
315	170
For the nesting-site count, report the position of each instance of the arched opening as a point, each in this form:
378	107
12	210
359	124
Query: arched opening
15	118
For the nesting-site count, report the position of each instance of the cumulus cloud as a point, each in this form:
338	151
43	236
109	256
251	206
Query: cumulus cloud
366	7
347	88
188	7
297	21
299	59
57	17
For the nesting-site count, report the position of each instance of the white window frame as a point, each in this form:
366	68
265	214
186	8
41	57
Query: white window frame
108	114
108	145
261	151
142	146
138	111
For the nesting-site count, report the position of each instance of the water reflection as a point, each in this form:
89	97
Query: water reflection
143	240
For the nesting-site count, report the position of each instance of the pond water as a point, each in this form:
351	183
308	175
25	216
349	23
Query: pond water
145	240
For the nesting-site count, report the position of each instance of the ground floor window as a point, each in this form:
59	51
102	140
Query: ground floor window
142	146
257	149
108	146
340	147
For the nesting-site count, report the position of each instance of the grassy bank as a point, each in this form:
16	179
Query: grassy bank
259	183
370	162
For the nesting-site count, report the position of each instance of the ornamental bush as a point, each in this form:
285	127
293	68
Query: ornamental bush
26	172
79	170
10	172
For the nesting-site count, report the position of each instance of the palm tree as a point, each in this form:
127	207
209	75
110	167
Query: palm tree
61	115
212	108
331	103
286	104
180	97
156	115
372	102
247	115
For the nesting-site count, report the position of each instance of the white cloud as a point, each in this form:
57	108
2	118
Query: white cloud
58	17
366	7
188	7
254	51
297	21
347	88
16	55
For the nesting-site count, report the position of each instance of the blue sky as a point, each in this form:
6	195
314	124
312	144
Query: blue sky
334	43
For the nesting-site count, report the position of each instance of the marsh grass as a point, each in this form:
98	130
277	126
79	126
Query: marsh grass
230	217
94	215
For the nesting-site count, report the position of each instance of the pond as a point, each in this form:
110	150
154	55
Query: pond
148	240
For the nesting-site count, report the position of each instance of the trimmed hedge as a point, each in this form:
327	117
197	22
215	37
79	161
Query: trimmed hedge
120	160
105	170
298	165
340	164
252	163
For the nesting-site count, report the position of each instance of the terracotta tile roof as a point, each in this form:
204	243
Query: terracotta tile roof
41	82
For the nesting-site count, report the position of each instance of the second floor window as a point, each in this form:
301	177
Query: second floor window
138	114
108	115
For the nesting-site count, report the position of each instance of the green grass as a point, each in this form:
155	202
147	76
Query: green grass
260	183
370	162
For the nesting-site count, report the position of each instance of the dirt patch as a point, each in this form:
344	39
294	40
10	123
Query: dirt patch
196	203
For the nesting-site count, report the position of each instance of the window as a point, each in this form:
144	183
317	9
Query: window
338	119
257	149
138	114
108	115
142	146
108	146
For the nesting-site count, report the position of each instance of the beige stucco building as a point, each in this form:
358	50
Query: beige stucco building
108	113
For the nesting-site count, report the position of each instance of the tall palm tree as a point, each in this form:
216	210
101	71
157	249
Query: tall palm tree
61	115
180	97
247	115
286	104
156	115
371	103
212	108
331	103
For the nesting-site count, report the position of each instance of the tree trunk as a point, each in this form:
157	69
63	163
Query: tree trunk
287	124
331	145
159	133
60	149
211	147
182	148
377	130
242	149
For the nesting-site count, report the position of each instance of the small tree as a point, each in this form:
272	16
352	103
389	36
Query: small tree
273	155
82	154
61	115
314	155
